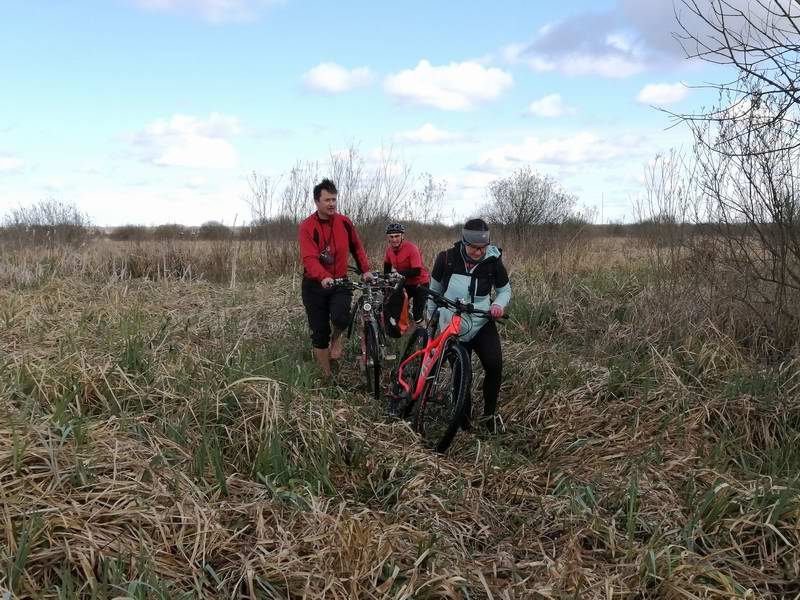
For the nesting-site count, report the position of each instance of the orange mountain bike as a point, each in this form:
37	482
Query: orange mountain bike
432	381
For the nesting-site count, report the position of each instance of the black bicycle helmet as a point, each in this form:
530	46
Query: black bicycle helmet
395	228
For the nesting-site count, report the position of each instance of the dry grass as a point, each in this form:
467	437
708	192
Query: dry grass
168	439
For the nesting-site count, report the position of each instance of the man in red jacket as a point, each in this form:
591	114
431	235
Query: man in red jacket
326	240
405	258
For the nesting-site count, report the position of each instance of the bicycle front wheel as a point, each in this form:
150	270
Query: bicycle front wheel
417	341
444	401
372	360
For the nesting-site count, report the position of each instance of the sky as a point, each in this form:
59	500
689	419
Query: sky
156	111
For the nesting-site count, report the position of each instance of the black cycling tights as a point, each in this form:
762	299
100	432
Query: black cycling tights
486	344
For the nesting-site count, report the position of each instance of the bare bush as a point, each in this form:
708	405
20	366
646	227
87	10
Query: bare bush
524	201
751	193
425	204
667	210
370	193
171	231
214	231
747	148
262	198
49	222
130	233
299	188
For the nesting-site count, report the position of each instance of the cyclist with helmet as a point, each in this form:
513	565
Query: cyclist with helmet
405	258
472	270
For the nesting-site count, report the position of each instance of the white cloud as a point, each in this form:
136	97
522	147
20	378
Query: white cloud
114	203
662	93
428	134
457	86
10	163
211	10
550	107
597	43
197	183
477	180
611	63
330	78
580	149
55	185
187	141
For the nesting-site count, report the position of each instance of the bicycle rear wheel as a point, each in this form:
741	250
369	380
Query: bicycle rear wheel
372	360
444	401
417	341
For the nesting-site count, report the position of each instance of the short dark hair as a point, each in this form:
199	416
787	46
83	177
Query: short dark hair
476	225
327	185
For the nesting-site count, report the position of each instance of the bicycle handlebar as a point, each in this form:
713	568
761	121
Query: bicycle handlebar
378	280
459	305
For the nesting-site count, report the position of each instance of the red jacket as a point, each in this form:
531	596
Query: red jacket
339	237
407	258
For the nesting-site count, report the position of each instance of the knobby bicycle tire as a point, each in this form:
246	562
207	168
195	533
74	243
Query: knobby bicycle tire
372	360
444	402
417	341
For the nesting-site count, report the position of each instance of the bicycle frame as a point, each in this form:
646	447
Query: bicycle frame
372	295
431	354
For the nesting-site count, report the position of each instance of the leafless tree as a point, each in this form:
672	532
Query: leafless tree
262	197
760	39
299	189
370	191
751	192
748	147
527	199
425	204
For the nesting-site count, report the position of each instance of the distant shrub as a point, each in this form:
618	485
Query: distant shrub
172	231
214	230
130	233
49	222
279	228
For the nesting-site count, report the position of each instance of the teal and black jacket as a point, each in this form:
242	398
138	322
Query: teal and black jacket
451	277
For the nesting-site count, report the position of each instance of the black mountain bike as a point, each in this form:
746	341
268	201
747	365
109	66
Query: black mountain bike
367	319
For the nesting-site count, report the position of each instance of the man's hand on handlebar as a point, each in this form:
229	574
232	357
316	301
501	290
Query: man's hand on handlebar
327	282
368	277
496	311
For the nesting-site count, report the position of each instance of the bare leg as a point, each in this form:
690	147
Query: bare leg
323	358
336	344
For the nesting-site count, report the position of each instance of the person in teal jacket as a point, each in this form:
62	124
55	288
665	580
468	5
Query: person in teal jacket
473	270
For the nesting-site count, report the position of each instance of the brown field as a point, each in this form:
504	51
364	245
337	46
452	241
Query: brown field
163	434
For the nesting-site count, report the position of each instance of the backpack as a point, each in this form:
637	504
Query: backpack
449	267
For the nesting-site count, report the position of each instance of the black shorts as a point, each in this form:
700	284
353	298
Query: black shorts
323	307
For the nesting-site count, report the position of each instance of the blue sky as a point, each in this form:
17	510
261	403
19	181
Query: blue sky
152	111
